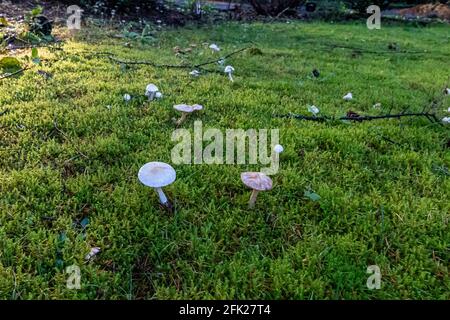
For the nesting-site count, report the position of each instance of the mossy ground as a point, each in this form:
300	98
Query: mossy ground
384	185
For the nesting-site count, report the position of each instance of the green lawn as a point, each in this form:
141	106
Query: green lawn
384	185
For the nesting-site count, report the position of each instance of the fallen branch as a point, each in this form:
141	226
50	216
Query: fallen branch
63	134
169	66
355	117
4	112
14	73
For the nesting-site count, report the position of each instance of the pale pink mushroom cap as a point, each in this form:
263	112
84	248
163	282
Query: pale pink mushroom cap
197	107
187	108
256	181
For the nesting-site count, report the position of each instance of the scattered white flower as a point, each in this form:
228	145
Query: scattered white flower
348	96
229	70
278	148
446	120
94	251
126	97
313	109
214	47
194	73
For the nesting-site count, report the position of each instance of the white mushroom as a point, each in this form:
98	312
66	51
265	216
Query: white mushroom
446	120
158	175
221	62
150	91
377	105
229	70
348	96
214	47
447	91
126	97
185	110
314	110
92	253
278	148
158	95
194	73
258	182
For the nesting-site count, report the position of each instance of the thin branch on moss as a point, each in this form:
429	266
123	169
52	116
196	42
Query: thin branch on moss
430	116
63	134
113	58
14	73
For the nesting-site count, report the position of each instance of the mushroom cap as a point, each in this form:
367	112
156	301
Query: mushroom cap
214	47
196	107
256	180
278	148
126	97
229	69
313	109
158	95
348	96
187	108
183	108
151	88
156	174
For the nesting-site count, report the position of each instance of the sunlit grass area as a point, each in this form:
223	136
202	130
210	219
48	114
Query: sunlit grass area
71	147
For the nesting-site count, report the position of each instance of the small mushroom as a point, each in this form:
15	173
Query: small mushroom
446	120
221	62
348	96
258	182
229	70
314	110
126	97
158	95
150	91
194	73
214	47
185	110
447	91
158	175
278	148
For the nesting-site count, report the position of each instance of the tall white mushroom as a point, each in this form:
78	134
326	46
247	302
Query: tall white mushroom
150	91
257	181
158	175
185	110
229	70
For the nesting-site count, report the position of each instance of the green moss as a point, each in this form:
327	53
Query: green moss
382	201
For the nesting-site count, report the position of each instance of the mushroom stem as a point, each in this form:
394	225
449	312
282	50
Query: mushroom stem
162	196
251	203
182	119
151	95
230	76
